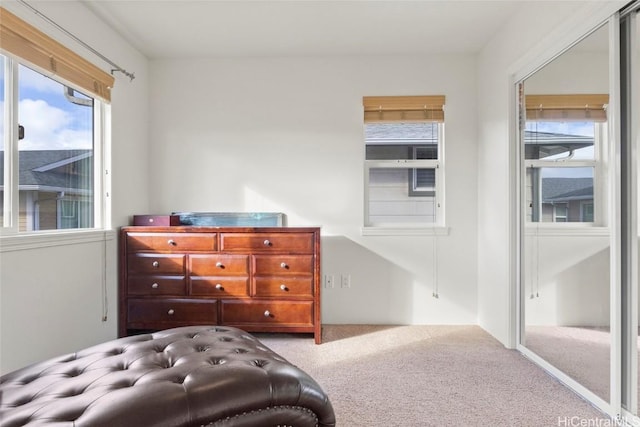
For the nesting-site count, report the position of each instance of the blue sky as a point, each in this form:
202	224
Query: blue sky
567	128
51	122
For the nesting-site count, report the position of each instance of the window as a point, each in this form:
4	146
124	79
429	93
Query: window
564	146
54	106
403	161
586	211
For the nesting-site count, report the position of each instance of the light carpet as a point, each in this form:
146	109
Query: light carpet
582	353
430	376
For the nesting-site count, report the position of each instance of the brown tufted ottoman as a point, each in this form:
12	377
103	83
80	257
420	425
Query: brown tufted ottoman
192	376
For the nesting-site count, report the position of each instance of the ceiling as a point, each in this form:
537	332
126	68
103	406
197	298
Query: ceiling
185	28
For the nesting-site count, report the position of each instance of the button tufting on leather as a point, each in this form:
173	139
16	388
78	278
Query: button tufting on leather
74	373
260	363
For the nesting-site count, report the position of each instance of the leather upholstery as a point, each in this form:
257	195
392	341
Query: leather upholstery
191	376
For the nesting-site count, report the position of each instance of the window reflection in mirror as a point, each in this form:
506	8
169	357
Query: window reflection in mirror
565	275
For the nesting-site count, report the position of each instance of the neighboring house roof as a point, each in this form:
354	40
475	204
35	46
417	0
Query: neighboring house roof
404	133
539	145
53	170
566	189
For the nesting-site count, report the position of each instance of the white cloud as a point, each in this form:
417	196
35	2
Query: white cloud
34	80
50	128
49	120
74	139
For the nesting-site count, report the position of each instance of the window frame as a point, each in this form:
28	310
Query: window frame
436	227
101	148
561	216
414	190
599	178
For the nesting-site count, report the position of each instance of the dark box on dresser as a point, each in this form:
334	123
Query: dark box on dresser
156	220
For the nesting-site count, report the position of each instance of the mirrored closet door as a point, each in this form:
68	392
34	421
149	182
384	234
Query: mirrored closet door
565	241
578	172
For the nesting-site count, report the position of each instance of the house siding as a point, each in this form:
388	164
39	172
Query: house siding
389	200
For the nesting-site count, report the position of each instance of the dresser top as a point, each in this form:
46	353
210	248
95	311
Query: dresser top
215	229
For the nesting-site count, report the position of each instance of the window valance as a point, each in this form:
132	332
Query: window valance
578	107
20	39
403	108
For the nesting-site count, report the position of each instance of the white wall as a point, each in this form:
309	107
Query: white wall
51	296
285	134
533	36
566	280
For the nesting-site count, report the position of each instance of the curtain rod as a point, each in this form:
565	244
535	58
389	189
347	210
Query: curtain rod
85	45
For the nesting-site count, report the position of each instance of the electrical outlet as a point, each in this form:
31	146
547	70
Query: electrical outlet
329	281
345	280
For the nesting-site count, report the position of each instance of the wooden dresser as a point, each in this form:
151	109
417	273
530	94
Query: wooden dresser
257	279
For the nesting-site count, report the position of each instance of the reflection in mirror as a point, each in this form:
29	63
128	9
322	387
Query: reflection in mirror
565	267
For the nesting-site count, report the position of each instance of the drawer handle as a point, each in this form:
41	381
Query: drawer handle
156	264
154	286
219	264
283	287
170	312
267	313
150	220
267	242
171	242
284	265
219	286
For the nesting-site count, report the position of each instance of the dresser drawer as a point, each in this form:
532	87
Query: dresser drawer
170	242
156	264
219	265
156	285
282	313
220	286
267	242
141	311
283	264
282	287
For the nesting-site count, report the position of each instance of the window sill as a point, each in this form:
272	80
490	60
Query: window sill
565	230
405	231
26	241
